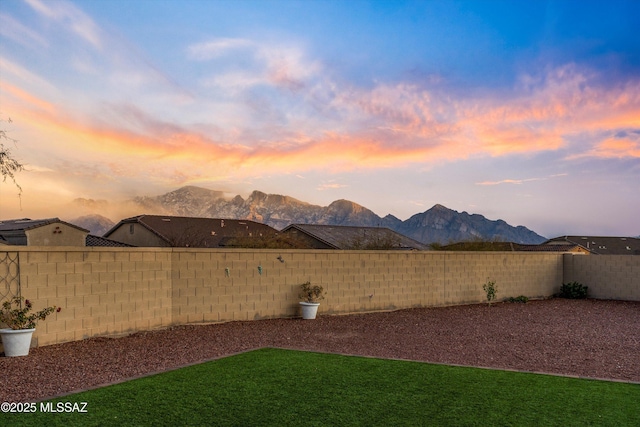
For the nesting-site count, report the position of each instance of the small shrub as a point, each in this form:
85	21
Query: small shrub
491	290
521	299
311	293
573	290
22	317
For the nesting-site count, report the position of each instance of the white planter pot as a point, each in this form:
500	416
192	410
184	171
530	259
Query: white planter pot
309	309
16	342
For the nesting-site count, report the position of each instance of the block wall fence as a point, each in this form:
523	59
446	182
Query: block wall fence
117	291
607	276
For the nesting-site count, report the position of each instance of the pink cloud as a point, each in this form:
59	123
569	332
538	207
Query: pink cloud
386	127
24	97
615	148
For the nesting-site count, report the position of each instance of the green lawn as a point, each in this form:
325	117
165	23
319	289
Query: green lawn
275	387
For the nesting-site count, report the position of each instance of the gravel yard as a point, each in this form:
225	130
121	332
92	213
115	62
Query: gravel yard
585	338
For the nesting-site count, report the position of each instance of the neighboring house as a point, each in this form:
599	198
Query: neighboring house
345	237
600	245
176	231
551	247
42	232
511	247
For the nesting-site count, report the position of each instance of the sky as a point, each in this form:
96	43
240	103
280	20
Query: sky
526	111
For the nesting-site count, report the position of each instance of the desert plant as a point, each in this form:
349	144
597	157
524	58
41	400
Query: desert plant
21	317
573	290
491	290
521	299
311	293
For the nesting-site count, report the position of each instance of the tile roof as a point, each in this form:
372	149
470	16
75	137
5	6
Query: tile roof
350	237
28	224
196	232
479	246
508	247
545	248
601	245
103	241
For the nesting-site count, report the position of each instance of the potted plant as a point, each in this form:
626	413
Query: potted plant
16	340
310	295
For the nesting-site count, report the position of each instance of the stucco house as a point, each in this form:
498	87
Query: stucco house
176	231
42	232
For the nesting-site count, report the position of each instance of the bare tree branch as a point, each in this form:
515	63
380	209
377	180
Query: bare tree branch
9	166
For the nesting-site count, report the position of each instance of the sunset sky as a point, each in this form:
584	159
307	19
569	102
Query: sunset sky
526	111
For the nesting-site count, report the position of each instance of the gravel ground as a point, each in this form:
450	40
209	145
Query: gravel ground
585	338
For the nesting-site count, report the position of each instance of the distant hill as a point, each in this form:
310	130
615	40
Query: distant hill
442	225
438	224
96	224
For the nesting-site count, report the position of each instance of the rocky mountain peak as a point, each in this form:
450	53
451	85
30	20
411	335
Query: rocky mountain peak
96	224
191	192
257	195
438	224
345	212
438	207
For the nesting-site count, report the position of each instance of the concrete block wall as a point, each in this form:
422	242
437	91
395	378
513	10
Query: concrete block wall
113	291
534	275
607	276
101	292
215	286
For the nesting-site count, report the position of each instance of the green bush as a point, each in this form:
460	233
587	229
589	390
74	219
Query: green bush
573	290
521	299
491	290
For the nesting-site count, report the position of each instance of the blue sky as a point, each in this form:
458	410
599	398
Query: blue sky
523	111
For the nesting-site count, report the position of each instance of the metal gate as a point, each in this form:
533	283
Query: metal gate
9	275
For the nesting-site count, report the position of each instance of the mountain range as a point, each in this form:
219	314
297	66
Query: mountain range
436	225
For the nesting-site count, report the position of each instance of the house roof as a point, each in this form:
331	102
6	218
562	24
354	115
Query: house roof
479	246
507	247
28	224
104	242
601	245
349	237
547	248
13	231
196	232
